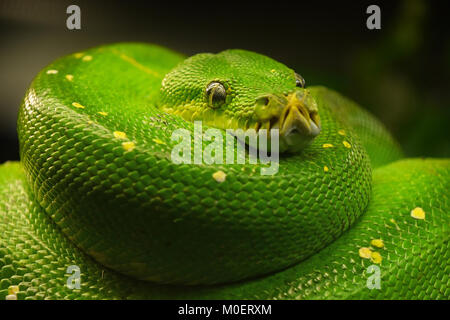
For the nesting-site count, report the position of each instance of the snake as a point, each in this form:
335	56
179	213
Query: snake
136	182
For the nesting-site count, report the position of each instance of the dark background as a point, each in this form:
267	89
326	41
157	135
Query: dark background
400	73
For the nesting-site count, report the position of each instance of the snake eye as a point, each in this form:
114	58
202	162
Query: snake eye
299	81
215	94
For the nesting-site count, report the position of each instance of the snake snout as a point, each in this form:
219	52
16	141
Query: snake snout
297	118
295	115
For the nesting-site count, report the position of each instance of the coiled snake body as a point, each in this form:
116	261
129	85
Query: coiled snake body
97	188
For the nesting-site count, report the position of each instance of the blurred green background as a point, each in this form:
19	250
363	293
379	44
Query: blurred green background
400	73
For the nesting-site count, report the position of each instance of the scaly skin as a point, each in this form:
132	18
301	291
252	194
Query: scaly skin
123	212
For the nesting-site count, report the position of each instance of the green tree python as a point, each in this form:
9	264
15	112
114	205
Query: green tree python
344	216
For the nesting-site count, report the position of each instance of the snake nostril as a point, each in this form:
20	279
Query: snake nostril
262	101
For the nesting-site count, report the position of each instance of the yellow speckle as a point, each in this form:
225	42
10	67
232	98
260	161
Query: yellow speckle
418	213
377	243
69	77
158	141
77	105
87	58
395	224
376	257
346	144
135	63
11	297
365	253
78	55
325	168
128	146
103	113
327	145
341	132
120	135
273	70
52	71
13	289
219	176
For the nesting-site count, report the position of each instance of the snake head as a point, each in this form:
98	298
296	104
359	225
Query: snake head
238	89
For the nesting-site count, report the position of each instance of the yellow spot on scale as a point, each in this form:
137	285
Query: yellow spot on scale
136	64
77	105
69	77
158	141
346	144
341	132
128	146
395	224
376	258
103	113
219	176
273	70
87	58
325	168
52	71
377	243
120	135
78	55
327	145
365	253
13	289
418	213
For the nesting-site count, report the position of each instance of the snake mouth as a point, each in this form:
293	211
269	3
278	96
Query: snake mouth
294	115
296	118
